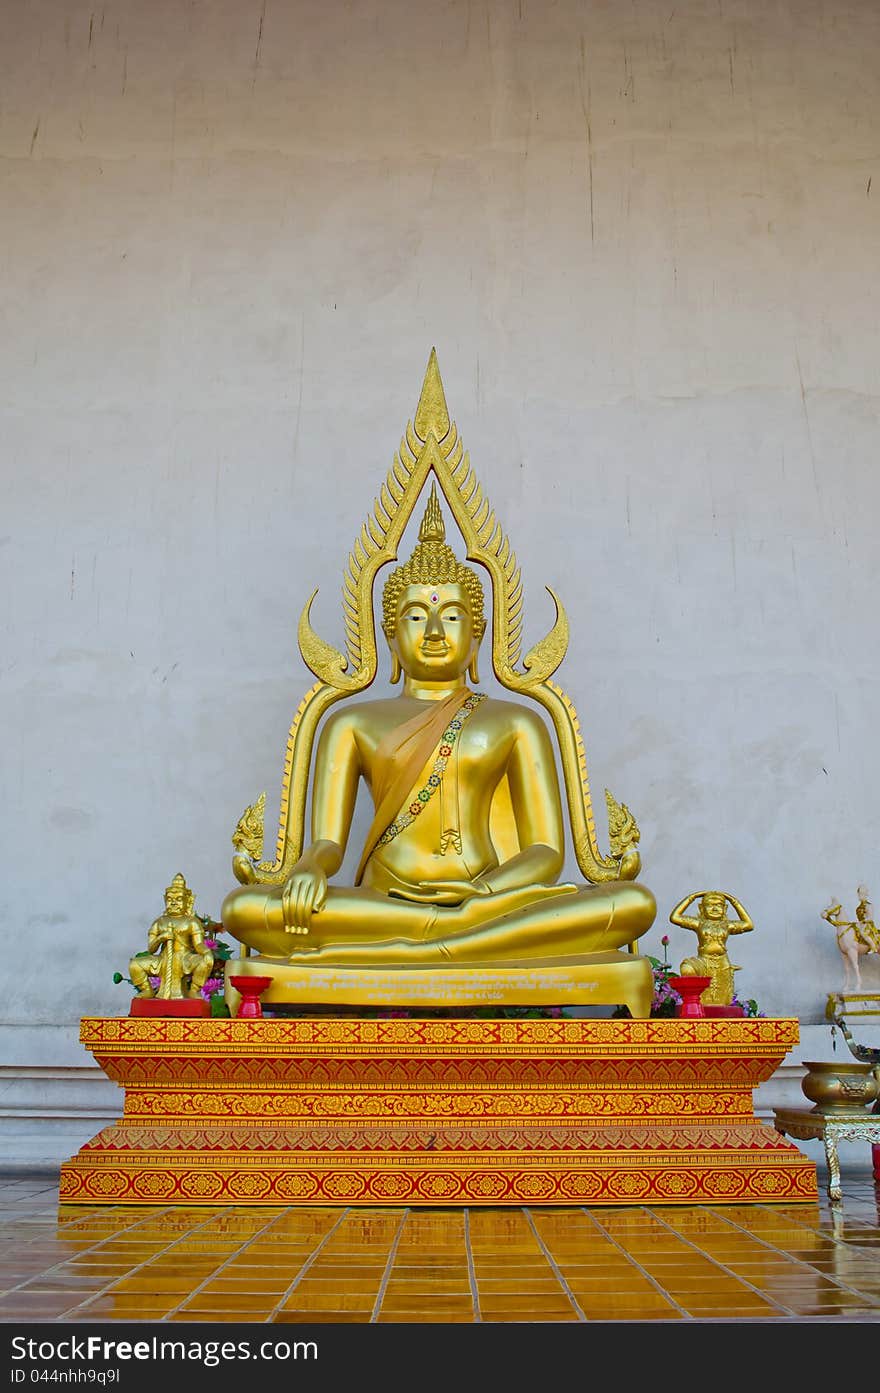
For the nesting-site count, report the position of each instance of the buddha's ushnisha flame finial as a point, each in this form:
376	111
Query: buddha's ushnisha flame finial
433	528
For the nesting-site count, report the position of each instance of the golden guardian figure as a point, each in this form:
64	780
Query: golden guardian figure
177	952
459	871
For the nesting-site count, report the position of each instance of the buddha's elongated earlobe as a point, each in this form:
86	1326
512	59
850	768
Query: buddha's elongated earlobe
472	669
395	668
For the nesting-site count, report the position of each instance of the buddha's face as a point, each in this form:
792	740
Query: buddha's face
434	634
712	906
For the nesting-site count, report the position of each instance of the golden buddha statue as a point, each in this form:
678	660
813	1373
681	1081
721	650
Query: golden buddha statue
178	955
456	897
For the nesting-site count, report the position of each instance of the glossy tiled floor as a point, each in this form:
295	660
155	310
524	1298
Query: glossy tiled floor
803	1262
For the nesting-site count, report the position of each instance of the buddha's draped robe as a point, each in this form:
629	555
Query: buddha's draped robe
400	757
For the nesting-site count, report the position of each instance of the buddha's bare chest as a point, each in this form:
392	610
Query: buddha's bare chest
480	747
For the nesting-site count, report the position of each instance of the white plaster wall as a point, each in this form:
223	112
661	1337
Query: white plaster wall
644	240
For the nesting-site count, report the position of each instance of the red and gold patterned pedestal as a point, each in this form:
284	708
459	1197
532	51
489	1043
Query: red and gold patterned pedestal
438	1112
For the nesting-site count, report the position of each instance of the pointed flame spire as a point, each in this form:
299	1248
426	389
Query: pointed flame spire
432	413
433	528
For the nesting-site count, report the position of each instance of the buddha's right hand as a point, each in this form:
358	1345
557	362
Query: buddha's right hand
304	894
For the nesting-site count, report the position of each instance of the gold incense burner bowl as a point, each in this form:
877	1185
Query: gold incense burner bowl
841	1088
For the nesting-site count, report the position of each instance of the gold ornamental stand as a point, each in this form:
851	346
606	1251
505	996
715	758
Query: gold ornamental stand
806	1125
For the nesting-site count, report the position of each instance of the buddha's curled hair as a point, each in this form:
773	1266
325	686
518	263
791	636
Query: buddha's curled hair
432	563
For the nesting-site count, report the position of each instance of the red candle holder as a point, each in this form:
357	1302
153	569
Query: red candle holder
250	990
690	989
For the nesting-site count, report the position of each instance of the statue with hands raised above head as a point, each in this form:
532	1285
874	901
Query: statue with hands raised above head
713	928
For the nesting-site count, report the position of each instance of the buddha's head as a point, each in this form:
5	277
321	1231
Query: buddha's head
176	896
713	905
432	608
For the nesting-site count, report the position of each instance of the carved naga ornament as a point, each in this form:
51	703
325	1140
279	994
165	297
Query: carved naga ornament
432	445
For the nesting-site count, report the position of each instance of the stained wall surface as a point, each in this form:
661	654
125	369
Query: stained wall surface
644	241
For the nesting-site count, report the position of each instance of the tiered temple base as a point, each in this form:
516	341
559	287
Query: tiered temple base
342	1111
